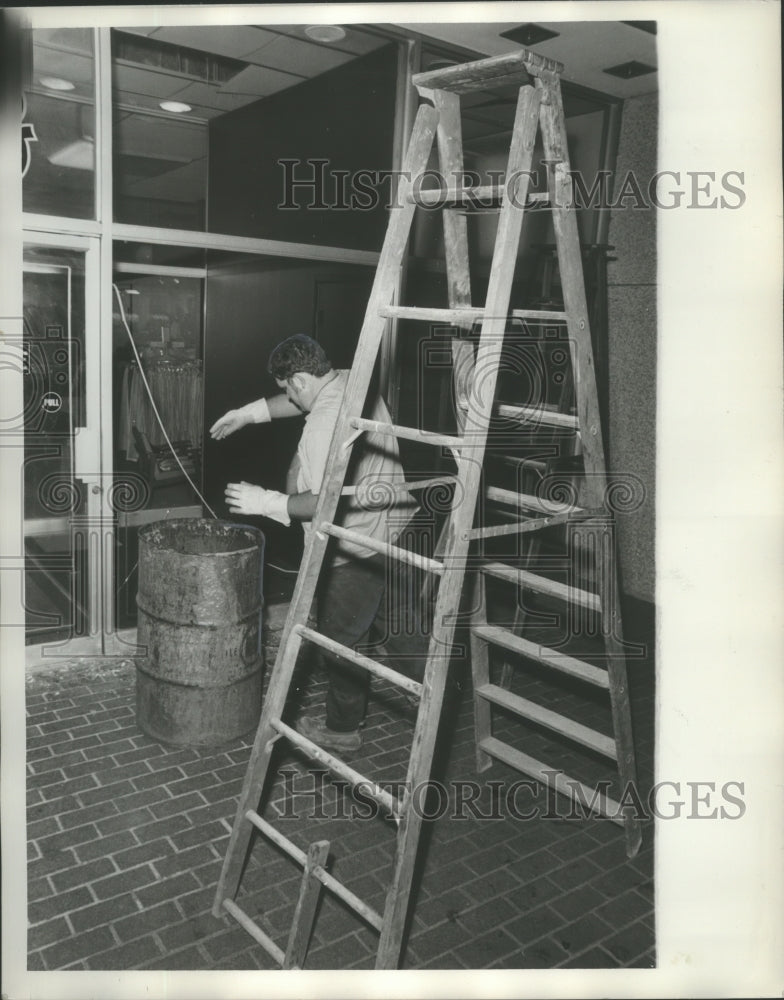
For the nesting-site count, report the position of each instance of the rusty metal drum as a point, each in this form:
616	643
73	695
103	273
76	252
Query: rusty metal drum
199	668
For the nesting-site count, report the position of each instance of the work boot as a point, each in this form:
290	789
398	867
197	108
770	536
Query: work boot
318	732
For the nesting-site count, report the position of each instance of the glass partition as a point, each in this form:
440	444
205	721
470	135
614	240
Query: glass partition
55	502
59	123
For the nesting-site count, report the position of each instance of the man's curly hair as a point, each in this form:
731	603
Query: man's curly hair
298	354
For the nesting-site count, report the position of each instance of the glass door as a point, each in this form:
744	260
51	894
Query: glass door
62	476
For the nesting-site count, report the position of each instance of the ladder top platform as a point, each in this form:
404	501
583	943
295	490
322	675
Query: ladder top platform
495	71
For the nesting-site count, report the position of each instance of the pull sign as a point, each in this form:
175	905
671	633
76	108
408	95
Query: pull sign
28	136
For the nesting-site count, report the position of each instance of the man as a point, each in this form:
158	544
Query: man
353	599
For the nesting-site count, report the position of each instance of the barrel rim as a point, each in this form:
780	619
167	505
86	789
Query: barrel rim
175	522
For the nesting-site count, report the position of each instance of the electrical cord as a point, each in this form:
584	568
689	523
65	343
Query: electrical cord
172	449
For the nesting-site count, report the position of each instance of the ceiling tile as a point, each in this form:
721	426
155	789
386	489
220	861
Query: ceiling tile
54	62
73	39
357	41
250	85
297	56
223	40
145	81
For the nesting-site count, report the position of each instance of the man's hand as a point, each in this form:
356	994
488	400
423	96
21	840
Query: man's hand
251	413
243	498
228	424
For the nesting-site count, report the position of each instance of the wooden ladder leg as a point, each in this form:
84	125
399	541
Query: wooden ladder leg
255	776
305	913
480	670
619	682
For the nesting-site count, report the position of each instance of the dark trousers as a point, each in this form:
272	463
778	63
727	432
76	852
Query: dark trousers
370	606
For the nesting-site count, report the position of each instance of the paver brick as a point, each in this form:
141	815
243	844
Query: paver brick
69	786
169	888
100	848
59	904
102	913
139	853
629	943
125	881
57	956
146	921
103	793
189	958
88	814
126	956
47	933
57	842
82	874
149	779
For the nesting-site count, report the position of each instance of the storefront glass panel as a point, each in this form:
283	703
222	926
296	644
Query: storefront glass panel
59	123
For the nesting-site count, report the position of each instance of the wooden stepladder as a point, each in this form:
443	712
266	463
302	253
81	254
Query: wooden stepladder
539	106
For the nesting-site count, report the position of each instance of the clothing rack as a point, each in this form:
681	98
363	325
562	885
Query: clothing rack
177	388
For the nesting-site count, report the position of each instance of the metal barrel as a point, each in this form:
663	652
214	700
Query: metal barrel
199	671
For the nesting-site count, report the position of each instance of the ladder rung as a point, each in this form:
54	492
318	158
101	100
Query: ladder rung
255	931
524	578
449	317
410	433
327	880
470	195
395	551
529	502
339	767
495	71
553	778
531	524
466	316
548	657
536	464
538	415
372	666
550	720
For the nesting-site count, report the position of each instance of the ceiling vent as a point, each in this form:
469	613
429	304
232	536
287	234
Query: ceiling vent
152	54
629	70
529	34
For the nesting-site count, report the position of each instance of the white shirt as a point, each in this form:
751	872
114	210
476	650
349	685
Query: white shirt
375	468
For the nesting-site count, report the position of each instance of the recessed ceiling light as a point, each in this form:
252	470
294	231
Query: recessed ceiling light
56	83
629	70
176	107
325	32
529	34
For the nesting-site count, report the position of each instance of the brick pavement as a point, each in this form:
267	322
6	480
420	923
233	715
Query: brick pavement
126	838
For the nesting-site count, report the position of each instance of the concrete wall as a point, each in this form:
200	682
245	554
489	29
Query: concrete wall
632	345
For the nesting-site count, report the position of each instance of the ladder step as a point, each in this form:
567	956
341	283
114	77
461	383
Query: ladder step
466	316
255	931
339	767
495	71
524	578
327	880
372	666
553	778
550	720
538	415
395	551
548	657
470	195
410	433
535	464
513	499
